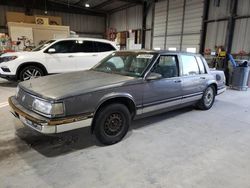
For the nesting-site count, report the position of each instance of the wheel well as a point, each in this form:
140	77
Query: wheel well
39	65
121	100
215	87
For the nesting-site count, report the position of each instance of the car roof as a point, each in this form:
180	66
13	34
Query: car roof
85	38
161	52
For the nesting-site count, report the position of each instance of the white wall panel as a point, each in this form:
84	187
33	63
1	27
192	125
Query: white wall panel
130	18
216	34
241	39
220	11
243	7
160	18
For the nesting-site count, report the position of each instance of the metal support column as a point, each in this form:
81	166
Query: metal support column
204	26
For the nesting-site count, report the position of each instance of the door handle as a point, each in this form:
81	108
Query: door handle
70	56
203	78
94	55
177	81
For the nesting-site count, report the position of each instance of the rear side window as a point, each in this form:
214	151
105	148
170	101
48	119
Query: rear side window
84	46
190	66
201	65
104	47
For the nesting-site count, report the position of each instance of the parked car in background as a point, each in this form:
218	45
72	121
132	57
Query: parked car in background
55	56
124	86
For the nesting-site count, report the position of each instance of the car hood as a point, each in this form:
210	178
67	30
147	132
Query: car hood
19	54
60	86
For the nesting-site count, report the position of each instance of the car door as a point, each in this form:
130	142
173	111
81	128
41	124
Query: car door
192	80
60	57
166	91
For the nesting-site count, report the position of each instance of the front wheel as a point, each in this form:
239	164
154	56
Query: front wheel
30	72
112	123
207	100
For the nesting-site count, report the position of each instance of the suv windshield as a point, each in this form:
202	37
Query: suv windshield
42	46
125	63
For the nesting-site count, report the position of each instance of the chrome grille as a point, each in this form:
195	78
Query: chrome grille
25	99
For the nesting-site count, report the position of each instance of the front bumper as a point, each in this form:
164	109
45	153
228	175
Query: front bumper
8	77
45	125
221	90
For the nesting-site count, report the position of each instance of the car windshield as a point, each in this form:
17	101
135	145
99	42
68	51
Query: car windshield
42	46
125	63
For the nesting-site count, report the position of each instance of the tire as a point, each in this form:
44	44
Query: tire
207	100
112	123
30	72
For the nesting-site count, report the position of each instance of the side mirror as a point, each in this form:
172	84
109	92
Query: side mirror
51	50
153	76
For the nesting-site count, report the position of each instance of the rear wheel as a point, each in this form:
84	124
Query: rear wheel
112	123
30	72
207	100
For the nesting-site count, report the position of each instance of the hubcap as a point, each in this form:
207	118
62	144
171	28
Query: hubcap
31	74
113	124
209	96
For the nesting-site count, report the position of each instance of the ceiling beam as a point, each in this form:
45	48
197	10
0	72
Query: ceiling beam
133	1
52	6
103	4
122	7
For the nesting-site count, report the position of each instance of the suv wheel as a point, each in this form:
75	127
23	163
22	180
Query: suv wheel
112	123
207	100
30	72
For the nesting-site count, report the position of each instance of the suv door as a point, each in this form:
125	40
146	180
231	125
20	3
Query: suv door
91	53
62	60
165	92
192	79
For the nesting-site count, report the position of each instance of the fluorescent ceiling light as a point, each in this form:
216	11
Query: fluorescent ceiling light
87	5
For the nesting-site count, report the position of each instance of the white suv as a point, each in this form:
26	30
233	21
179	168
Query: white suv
55	56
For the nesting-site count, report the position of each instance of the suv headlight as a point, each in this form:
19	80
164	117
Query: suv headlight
7	58
48	108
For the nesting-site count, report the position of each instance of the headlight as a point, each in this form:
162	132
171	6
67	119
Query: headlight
7	58
48	108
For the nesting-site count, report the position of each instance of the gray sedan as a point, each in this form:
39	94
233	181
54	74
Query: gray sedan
122	87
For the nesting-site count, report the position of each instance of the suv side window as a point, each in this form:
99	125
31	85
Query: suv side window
85	46
104	47
201	65
64	46
189	65
167	66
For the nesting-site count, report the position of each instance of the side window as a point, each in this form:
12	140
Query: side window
64	46
201	65
189	64
104	47
84	46
167	66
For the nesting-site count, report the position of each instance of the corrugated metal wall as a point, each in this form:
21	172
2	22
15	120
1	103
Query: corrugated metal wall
241	39
124	20
217	30
84	24
172	29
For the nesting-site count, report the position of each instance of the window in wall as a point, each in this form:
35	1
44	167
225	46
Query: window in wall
189	64
192	50
172	49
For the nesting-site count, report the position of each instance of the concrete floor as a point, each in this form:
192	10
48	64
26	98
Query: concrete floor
181	149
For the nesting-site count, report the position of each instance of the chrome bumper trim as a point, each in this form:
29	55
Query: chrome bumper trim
220	91
46	125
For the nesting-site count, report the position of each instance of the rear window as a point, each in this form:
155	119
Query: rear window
201	65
